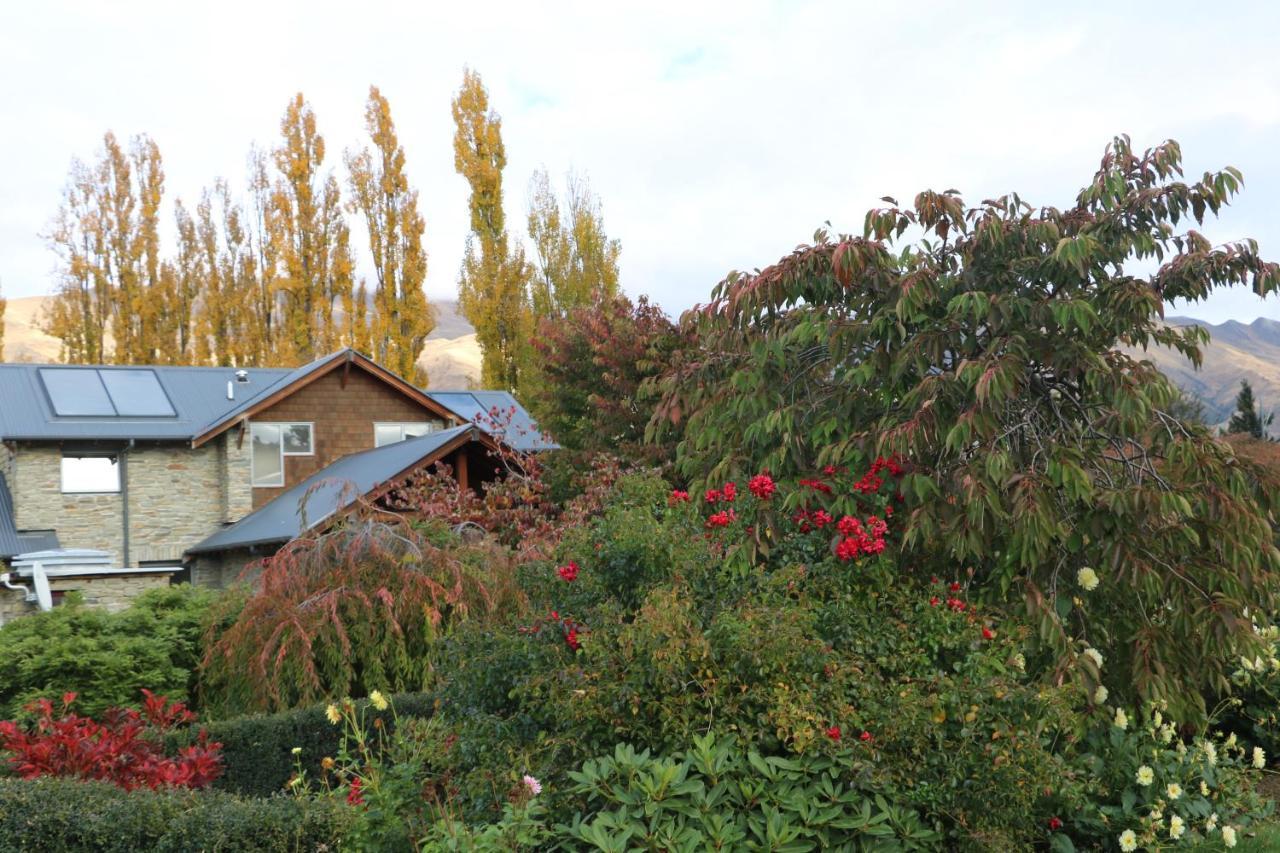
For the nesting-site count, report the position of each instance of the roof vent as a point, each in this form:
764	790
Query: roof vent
242	376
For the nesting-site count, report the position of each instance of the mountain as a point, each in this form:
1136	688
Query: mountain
1235	351
451	356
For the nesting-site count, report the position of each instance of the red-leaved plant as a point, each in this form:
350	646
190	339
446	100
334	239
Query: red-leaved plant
124	748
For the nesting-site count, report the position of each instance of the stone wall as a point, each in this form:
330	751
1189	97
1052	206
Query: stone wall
110	592
82	521
220	570
177	497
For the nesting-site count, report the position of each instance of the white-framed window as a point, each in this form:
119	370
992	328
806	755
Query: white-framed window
390	433
88	474
270	443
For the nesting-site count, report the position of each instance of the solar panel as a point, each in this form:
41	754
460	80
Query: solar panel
76	392
137	393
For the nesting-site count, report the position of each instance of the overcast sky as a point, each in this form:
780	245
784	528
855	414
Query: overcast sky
718	136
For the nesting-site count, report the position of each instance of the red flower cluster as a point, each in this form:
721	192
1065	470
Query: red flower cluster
119	749
678	496
872	481
730	492
834	733
1055	824
859	539
955	604
569	572
762	486
865	737
817	486
987	633
723	518
812	519
354	795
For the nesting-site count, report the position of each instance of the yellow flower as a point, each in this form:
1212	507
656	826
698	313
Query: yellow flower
1229	836
1204	788
1259	758
333	714
1174	790
1122	719
326	763
1128	841
1094	655
1212	823
1176	827
1100	695
1087	578
1145	775
297	750
378	700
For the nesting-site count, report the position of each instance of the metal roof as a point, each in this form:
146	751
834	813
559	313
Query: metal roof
499	414
198	394
329	491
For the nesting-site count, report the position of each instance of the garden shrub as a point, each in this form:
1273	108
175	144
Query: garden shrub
257	750
351	610
126	748
72	816
106	659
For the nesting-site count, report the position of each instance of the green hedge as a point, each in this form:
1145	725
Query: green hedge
68	815
257	750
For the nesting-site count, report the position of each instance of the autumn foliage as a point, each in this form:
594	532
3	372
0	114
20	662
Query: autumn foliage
124	748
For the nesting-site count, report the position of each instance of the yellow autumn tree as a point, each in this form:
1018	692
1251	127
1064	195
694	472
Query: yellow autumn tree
576	262
493	283
311	239
112	293
380	193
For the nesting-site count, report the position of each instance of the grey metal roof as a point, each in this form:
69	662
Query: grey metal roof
198	394
288	378
327	492
499	414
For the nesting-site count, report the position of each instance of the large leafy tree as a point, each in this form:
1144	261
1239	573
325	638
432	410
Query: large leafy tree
988	353
592	362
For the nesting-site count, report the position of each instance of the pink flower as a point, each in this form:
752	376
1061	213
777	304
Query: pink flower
534	786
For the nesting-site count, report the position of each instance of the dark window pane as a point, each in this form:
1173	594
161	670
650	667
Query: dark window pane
76	392
297	439
137	393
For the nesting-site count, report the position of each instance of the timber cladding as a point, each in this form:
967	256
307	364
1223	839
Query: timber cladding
343	415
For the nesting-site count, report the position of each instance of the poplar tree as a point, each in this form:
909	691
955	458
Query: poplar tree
576	262
311	238
492	285
381	194
106	235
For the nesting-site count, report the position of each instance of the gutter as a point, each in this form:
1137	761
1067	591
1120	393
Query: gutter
124	496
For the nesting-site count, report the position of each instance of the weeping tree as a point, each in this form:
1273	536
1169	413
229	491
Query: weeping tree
987	350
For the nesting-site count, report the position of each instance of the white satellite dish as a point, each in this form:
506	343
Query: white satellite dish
40	581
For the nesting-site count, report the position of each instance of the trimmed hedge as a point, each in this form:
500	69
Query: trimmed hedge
69	815
257	749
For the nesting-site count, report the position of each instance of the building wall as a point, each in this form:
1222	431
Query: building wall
109	592
219	571
177	497
343	419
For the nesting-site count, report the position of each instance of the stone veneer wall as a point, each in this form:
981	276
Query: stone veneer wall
220	570
177	497
110	592
82	521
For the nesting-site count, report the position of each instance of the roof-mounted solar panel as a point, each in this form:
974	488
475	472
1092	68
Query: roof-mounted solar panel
128	392
137	393
76	392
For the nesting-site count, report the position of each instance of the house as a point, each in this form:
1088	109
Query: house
124	477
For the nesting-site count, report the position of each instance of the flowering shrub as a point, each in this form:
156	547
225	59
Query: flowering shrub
124	748
1145	786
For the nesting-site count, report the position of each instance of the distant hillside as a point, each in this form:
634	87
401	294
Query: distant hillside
451	356
1236	351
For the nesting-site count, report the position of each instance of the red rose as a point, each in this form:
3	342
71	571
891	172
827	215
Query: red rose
834	733
679	496
955	586
1055	824
865	737
987	633
569	572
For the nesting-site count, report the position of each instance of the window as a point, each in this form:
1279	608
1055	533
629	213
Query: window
271	443
90	474
384	434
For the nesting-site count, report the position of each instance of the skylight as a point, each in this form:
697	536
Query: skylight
105	393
